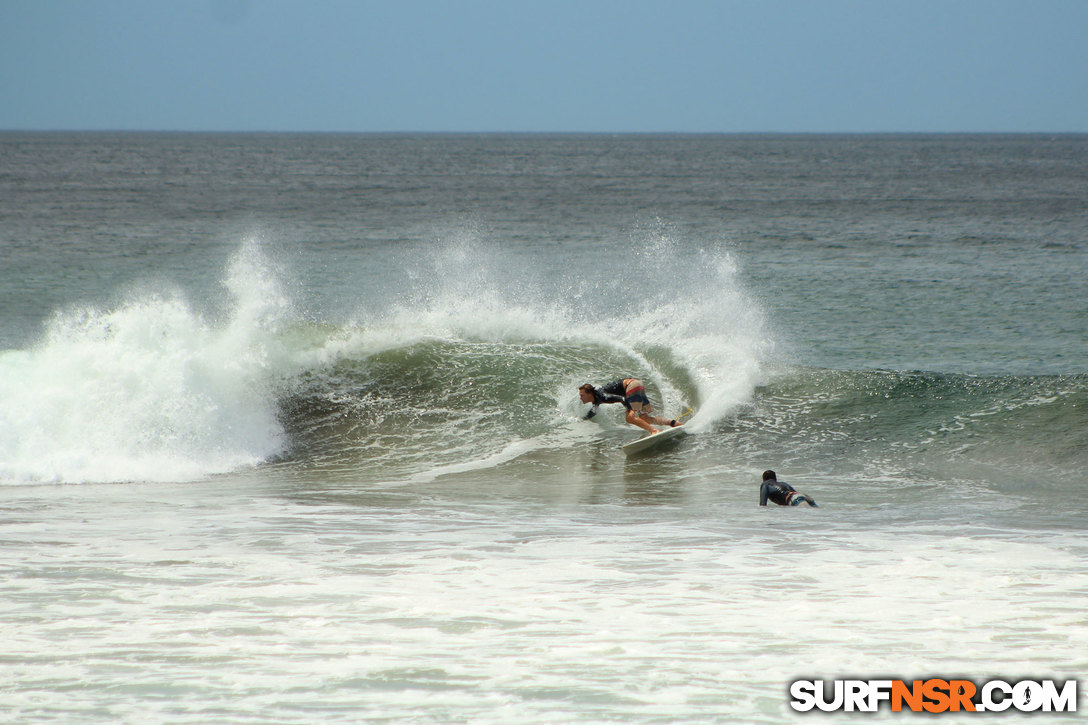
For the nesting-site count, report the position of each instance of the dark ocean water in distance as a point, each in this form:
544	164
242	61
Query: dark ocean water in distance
304	406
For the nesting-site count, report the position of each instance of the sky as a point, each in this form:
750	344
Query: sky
599	66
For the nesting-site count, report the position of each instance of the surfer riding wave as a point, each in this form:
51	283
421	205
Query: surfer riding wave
632	394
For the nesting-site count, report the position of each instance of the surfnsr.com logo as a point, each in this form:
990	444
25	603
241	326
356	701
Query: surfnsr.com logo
934	695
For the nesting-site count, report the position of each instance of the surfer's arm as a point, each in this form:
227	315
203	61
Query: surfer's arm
602	398
609	398
763	494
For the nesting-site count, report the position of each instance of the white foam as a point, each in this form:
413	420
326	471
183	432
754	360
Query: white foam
148	390
152	390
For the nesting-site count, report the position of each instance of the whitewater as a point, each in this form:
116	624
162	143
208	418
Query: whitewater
154	390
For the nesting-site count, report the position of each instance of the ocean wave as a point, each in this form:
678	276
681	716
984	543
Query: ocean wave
947	426
439	378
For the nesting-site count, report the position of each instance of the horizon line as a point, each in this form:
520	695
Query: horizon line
285	132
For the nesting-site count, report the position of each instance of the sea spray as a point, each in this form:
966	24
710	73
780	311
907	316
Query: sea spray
484	351
685	319
148	390
477	360
709	324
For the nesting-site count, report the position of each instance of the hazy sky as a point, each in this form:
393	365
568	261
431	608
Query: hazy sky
553	65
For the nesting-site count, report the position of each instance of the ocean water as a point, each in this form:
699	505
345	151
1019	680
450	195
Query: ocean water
289	425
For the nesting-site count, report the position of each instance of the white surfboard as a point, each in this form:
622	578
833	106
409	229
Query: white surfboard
653	439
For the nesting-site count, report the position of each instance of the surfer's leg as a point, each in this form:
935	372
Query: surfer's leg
799	498
643	410
640	408
634	418
647	413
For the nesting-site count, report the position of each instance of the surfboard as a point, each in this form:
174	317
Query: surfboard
652	440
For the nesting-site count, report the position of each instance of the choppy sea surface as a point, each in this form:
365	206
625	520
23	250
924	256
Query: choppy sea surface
290	432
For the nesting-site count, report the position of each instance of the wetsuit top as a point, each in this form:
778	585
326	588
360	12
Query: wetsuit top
777	491
616	387
611	393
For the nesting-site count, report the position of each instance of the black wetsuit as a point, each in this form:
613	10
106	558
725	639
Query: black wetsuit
782	494
611	393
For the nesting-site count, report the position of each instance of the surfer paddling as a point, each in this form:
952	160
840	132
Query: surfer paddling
781	492
632	394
